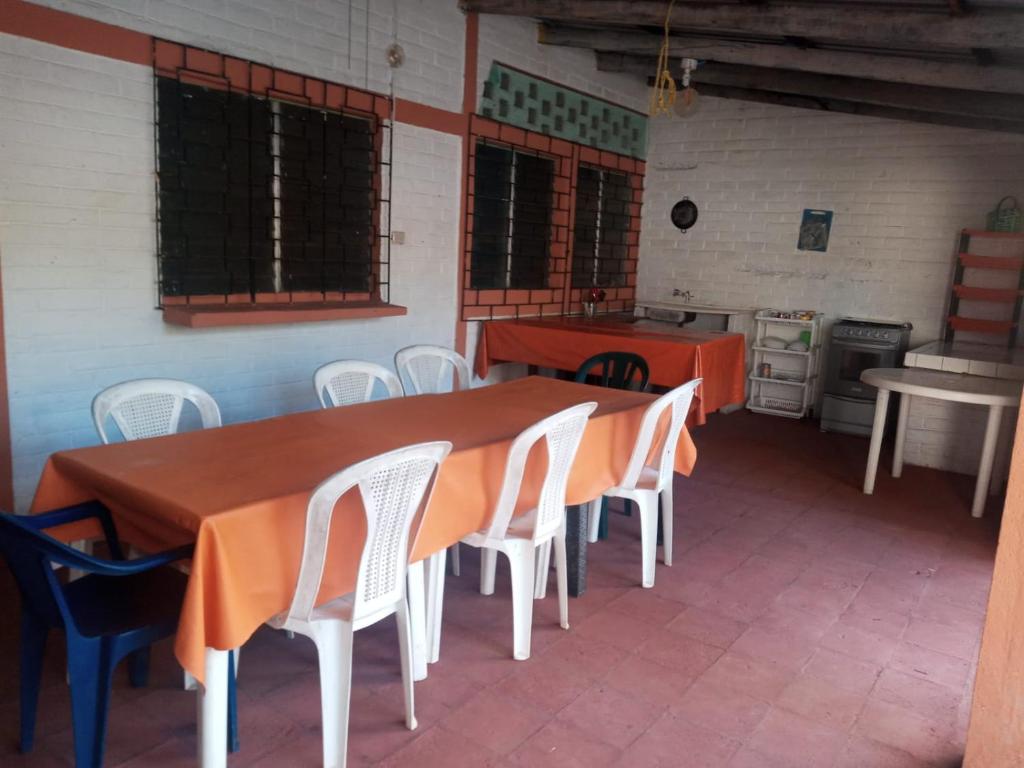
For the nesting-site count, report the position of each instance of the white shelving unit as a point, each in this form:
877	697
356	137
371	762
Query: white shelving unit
789	390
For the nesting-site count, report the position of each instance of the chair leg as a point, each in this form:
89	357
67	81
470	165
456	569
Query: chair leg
456	560
234	744
602	528
594	519
435	604
647	504
33	649
520	554
543	563
138	667
488	567
91	669
667	518
562	575
405	652
334	649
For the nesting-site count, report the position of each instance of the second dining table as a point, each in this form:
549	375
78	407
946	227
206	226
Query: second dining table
673	356
240	493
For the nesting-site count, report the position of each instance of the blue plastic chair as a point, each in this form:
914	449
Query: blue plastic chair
615	370
115	611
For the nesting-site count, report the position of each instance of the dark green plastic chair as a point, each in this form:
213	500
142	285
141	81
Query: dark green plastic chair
615	370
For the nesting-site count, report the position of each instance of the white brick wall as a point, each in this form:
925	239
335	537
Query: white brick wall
79	273
900	193
312	37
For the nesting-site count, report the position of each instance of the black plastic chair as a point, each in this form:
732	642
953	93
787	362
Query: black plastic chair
618	370
115	611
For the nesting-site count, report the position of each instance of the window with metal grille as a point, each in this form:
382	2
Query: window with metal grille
260	195
512	203
601	228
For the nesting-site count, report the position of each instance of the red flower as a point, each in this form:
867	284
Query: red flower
596	294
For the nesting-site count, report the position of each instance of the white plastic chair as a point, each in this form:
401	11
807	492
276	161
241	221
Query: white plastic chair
426	369
518	537
644	482
150	407
393	487
347	382
144	408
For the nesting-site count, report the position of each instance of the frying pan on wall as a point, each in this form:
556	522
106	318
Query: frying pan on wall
684	214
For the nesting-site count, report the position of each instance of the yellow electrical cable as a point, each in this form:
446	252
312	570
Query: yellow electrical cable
663	95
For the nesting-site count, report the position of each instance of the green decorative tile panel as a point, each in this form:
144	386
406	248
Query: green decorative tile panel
519	99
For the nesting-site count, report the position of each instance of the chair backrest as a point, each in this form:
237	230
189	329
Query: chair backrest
29	553
347	382
150	407
618	370
562	432
427	369
678	400
393	487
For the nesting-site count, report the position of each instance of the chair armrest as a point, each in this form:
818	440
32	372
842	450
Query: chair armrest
75	513
128	567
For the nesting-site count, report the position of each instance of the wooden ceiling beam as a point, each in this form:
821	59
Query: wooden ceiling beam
859	108
900	95
895	69
894	27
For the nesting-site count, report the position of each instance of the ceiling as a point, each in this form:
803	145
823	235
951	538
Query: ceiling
951	62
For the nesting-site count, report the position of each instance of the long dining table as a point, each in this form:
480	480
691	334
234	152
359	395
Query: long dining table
240	492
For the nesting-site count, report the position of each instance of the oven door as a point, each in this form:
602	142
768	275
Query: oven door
848	359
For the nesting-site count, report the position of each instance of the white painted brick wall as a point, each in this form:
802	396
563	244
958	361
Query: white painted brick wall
312	37
79	272
900	193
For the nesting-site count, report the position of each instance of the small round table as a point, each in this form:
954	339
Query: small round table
939	385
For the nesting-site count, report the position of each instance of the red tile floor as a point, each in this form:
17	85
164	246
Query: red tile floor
803	624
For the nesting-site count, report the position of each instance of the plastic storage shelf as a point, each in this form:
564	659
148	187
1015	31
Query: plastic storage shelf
789	389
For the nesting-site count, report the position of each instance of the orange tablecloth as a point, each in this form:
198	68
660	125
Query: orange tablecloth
240	492
673	358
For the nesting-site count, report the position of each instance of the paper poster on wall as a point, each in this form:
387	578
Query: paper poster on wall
814	230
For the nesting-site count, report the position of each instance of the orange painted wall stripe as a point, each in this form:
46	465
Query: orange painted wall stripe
70	31
425	116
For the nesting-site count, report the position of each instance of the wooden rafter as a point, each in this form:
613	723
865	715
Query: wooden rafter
896	69
858	108
883	26
899	95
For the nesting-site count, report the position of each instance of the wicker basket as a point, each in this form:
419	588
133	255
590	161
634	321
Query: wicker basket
1005	219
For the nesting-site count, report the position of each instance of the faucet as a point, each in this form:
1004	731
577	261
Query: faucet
686	295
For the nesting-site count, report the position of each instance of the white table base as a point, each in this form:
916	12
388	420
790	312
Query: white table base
988	450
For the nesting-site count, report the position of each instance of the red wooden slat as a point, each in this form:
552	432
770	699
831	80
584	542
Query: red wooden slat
974	293
1013	263
981	326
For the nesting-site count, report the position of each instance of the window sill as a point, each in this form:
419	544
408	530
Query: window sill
222	315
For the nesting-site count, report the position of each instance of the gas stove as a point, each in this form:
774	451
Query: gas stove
848	404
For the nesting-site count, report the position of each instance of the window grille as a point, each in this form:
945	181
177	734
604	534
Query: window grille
511	218
271	186
601	228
